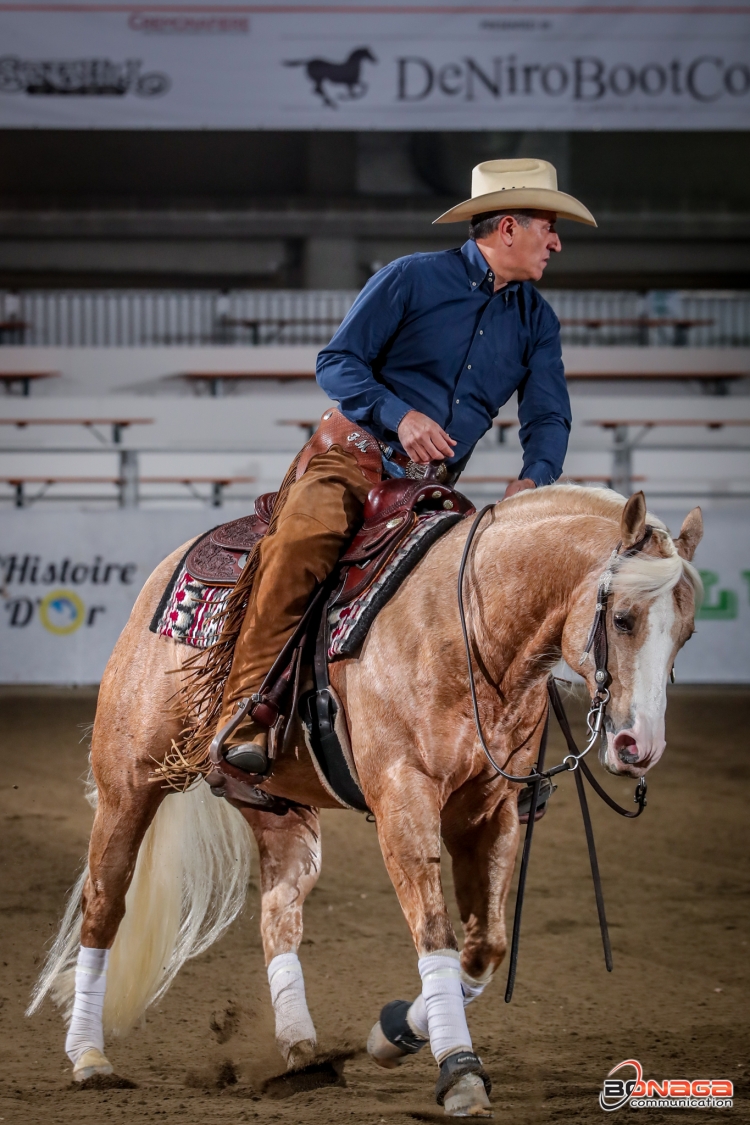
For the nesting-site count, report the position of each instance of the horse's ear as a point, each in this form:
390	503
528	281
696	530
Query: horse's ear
691	534
633	521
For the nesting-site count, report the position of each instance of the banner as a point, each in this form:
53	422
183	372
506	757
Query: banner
420	65
68	581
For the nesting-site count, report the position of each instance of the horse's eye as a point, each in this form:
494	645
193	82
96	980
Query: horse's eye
624	622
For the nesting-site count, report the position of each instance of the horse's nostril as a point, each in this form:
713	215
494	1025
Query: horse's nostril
626	748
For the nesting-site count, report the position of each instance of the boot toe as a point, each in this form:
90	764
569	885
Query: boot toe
248	756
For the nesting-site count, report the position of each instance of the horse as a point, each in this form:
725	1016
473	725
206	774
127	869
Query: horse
343	74
167	871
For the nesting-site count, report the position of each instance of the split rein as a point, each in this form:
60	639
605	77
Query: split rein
574	761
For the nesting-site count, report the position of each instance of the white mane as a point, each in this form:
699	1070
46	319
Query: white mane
644	576
640	576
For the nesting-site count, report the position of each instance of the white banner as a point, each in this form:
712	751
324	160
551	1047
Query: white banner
69	580
365	65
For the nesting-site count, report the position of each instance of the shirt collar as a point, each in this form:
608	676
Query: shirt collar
477	269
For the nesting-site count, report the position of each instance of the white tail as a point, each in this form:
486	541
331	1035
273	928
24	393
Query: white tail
189	884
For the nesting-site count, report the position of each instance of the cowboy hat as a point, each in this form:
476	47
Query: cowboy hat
517	185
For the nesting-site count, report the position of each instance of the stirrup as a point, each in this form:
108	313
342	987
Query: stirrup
246	708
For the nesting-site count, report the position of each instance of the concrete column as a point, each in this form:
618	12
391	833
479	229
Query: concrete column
622	462
331	263
128	478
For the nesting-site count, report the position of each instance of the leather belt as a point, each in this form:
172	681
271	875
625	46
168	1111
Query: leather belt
414	471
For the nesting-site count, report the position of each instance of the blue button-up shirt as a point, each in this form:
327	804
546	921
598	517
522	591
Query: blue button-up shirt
429	333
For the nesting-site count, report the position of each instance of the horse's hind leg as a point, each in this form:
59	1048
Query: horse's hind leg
119	827
133	722
290	856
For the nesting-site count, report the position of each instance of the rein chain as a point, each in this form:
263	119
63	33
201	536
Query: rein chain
596	644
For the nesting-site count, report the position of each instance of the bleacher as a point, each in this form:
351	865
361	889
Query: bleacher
201	399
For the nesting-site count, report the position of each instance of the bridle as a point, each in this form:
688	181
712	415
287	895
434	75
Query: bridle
597	645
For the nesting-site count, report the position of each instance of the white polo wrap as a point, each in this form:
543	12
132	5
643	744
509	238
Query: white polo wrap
293	1023
471	987
85	1030
444	1002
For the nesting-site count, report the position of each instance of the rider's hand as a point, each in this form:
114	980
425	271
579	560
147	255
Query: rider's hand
518	486
423	439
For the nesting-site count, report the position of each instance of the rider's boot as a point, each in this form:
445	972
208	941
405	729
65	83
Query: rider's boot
319	516
249	747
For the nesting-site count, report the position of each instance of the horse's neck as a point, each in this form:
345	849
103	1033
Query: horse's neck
526	575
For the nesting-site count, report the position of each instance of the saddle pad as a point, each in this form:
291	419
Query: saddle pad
190	612
349	624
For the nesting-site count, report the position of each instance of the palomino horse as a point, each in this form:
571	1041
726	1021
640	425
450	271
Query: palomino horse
167	872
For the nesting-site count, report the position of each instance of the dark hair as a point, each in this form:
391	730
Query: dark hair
482	226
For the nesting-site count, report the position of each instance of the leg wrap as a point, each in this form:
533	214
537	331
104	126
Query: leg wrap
444	1001
293	1023
85	1030
417	1017
471	989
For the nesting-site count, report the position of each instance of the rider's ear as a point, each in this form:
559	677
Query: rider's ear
691	534
633	521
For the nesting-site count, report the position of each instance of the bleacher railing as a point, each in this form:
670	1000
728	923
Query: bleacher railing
131	318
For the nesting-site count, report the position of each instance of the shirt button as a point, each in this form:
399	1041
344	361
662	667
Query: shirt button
473	284
481	332
457	401
468	367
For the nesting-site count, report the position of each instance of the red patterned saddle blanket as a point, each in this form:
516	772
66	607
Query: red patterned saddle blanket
402	519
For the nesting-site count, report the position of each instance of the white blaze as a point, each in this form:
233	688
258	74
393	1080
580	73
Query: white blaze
650	672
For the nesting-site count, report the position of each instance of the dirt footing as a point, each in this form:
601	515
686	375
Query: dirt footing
676	890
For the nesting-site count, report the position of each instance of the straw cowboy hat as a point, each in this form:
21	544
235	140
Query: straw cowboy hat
517	185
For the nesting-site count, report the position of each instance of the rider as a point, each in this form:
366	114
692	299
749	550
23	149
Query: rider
431	349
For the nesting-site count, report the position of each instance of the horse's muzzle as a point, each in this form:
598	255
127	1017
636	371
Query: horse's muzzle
626	756
626	748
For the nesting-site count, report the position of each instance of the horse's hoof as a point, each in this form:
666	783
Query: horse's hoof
382	1051
468	1098
90	1063
300	1054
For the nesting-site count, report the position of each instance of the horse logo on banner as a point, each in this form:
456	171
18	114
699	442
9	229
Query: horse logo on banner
347	74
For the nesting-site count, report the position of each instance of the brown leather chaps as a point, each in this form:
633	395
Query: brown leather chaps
322	511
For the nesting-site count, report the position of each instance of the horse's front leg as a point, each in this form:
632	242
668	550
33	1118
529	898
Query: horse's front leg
290	858
481	834
407	810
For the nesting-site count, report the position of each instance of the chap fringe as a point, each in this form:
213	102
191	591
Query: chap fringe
204	674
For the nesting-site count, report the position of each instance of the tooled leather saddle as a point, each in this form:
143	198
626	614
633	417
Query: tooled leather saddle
394	511
219	557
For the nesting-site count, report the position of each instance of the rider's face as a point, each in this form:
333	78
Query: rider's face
532	246
521	253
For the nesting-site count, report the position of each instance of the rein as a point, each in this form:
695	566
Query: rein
596	644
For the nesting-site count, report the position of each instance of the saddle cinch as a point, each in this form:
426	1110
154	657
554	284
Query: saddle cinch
402	519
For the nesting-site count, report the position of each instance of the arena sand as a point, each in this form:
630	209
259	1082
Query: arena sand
676	892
